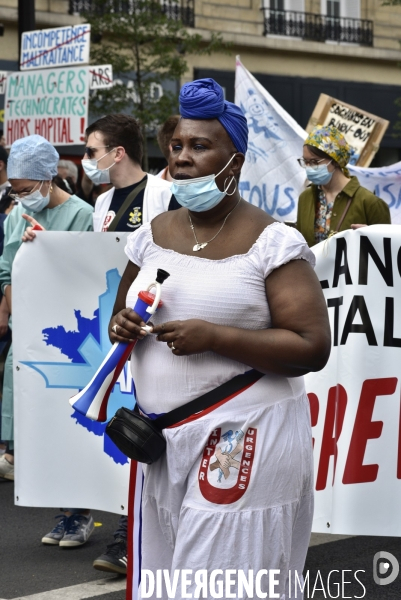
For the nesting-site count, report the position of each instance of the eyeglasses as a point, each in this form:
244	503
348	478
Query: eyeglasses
312	163
16	196
90	151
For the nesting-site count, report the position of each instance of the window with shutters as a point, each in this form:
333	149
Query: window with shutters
341	8
339	21
333	8
277	4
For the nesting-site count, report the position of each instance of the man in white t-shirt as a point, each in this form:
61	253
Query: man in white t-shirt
113	154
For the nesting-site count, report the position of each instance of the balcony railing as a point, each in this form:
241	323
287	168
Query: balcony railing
183	10
318	28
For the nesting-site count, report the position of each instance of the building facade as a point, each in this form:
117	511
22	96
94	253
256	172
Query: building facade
297	49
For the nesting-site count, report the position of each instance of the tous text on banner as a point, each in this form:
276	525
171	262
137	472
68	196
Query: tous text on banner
271	178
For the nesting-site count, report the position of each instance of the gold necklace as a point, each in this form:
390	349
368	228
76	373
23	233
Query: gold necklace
199	246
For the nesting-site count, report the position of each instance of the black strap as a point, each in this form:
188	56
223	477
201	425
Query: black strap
225	390
126	204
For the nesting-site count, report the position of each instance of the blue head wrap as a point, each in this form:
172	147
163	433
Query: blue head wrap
32	157
204	99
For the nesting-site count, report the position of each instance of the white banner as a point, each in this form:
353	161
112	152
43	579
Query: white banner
271	177
64	285
52	103
355	399
385	182
60	338
57	47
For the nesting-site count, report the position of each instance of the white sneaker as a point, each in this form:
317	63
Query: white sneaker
6	468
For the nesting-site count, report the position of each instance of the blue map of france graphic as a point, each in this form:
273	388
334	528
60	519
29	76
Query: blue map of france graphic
86	348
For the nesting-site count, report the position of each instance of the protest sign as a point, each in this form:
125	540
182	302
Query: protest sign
362	130
355	399
52	103
58	47
271	177
100	77
385	182
60	338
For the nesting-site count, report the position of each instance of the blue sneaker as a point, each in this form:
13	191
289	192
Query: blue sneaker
56	535
77	530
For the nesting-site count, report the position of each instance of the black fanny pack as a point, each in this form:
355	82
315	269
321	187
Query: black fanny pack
141	438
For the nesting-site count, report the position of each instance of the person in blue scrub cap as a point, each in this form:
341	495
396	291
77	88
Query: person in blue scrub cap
43	202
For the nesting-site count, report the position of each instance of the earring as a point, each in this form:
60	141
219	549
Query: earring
226	188
50	188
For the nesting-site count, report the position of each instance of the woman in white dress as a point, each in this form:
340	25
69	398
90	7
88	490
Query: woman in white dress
234	489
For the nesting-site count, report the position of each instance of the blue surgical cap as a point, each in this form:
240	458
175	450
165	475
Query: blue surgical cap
32	157
204	99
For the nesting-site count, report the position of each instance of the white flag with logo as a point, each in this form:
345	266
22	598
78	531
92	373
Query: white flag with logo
271	177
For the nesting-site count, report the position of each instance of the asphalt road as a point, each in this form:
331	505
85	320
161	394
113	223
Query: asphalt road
28	567
33	571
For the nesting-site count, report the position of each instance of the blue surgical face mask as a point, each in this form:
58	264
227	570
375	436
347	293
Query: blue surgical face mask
35	201
200	194
320	175
96	175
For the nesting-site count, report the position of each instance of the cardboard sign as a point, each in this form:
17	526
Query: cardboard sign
100	77
52	103
58	47
362	130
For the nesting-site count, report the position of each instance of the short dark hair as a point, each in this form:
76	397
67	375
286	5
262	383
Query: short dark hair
3	155
120	130
165	134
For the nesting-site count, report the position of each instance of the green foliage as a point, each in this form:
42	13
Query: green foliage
146	46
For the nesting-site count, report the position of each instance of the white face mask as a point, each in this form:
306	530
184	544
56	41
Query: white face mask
96	175
201	193
35	201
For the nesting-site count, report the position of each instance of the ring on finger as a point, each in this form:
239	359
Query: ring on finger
173	347
114	328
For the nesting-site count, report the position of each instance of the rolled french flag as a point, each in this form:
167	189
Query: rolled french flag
93	399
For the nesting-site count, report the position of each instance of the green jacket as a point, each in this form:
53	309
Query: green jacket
365	208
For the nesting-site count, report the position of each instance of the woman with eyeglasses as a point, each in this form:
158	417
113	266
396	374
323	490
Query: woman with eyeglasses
42	202
334	201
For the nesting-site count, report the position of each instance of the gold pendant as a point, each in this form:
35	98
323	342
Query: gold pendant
198	247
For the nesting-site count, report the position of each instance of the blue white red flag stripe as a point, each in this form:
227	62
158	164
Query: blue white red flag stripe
134	545
92	400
